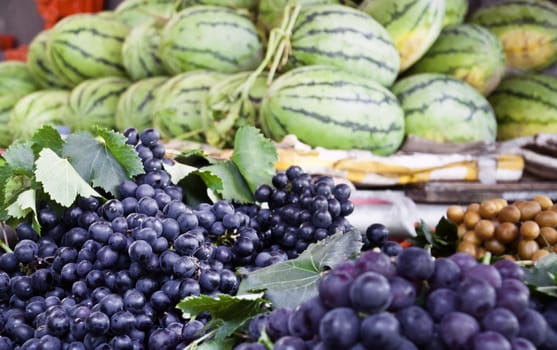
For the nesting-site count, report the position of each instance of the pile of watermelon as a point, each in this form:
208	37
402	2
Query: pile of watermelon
342	77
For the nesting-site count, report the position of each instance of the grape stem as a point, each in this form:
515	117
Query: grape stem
486	260
5	247
194	344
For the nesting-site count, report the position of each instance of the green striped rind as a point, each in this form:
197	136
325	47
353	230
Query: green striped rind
467	52
136	12
270	12
211	38
441	108
413	24
135	107
37	109
346	38
177	108
455	11
236	4
82	47
331	108
527	29
39	63
7	102
93	103
525	105
16	79
140	52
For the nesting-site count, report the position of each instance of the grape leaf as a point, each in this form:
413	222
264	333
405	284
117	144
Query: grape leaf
299	277
255	156
178	171
47	137
195	189
214	344
24	204
225	179
227	312
13	186
195	157
126	156
542	276
60	180
20	157
97	160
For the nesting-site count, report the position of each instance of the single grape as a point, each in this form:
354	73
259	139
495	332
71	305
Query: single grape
502	321
370	293
476	296
380	332
509	269
440	302
513	295
334	289
490	340
532	327
457	329
446	274
522	344
339	328
415	264
377	234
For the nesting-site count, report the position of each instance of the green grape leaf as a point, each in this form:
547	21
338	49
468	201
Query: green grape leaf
225	179
299	277
13	186
542	276
178	171
255	156
195	157
24	204
105	161
60	180
19	156
228	313
47	137
215	344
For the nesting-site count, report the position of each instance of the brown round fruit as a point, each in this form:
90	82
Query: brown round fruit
480	252
529	229
529	209
553	207
527	248
508	257
488	209
485	229
473	207
471	218
510	213
548	235
540	254
468	248
461	229
544	201
501	203
494	246
547	218
506	232
455	213
471	237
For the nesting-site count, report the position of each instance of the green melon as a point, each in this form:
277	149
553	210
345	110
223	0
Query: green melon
140	52
525	105
39	63
328	107
527	29
467	52
137	12
16	79
455	11
7	103
270	12
441	108
413	24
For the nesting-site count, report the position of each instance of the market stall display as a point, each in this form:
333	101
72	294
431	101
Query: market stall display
185	174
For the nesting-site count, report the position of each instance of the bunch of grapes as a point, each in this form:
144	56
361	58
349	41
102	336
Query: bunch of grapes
525	230
109	275
376	236
376	303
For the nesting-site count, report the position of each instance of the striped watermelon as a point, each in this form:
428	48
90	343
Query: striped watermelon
140	52
16	79
270	12
441	108
527	29
328	107
135	106
7	102
37	109
236	4
136	12
212	38
525	105
177	105
467	52
93	103
346	38
86	46
455	11
39	63
413	24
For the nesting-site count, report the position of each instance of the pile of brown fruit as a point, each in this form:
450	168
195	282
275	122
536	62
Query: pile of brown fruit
523	230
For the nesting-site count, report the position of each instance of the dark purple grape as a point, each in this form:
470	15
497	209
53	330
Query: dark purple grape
464	261
339	328
377	235
441	302
416	324
391	248
490	340
376	262
487	273
446	274
532	327
290	343
334	289
476	296
370	293
132	136
415	264
380	332
97	323
277	323
513	295
509	269
403	293
304	321
280	180
457	329
522	344
502	321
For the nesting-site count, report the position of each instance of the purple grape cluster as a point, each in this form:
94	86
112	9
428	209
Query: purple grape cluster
109	275
412	302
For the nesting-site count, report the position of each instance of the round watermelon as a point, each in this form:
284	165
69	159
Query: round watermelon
441	108
7	103
137	12
39	62
140	52
525	105
270	12
328	107
16	79
467	52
